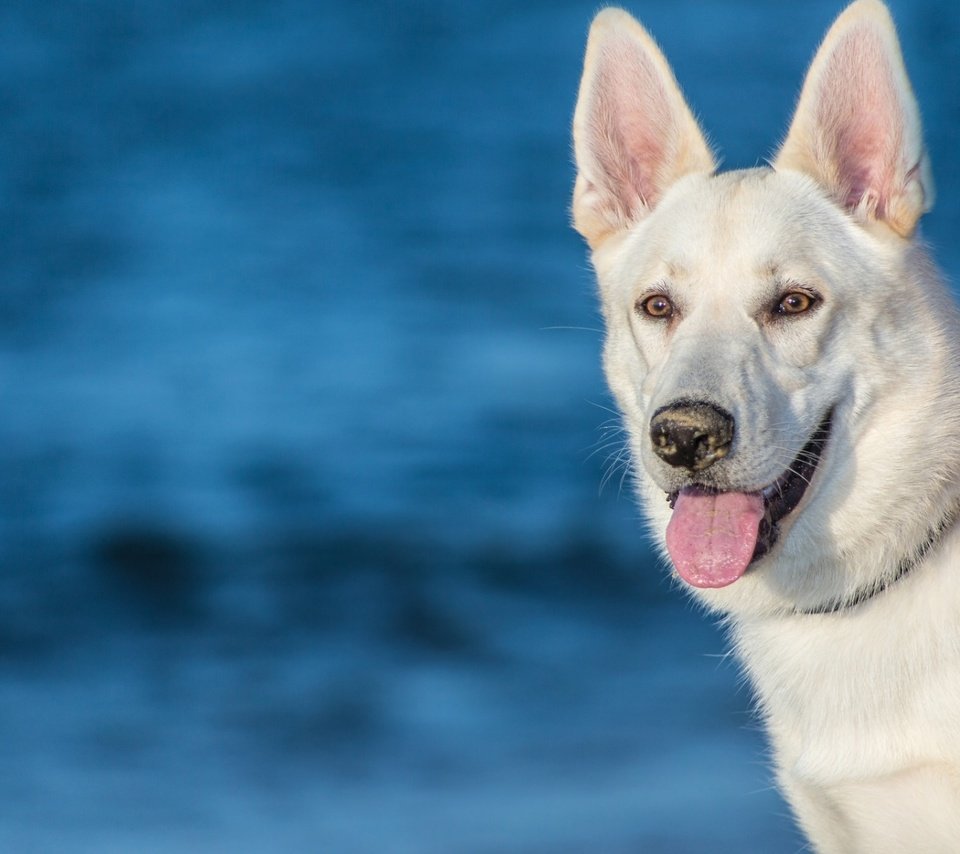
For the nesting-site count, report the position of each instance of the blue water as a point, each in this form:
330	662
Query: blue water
302	535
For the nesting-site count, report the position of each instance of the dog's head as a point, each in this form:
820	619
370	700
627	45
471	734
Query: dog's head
772	334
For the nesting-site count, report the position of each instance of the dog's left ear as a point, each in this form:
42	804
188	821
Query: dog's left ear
633	133
857	127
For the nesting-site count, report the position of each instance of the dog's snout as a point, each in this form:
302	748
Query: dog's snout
691	435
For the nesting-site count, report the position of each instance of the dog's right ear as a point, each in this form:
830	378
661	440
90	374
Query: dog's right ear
857	127
633	133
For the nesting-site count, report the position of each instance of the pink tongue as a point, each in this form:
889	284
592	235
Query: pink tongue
711	536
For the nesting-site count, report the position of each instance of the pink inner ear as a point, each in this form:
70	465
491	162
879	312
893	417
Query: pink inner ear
860	120
631	127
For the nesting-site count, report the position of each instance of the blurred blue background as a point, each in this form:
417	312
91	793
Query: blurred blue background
302	535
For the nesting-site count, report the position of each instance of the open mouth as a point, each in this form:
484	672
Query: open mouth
713	537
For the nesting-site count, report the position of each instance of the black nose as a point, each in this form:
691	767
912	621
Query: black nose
691	435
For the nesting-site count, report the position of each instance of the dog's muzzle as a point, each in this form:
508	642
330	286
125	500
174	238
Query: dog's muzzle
691	434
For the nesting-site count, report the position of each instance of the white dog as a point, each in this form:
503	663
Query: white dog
788	367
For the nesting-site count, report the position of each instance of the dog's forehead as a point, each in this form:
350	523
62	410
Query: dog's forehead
734	224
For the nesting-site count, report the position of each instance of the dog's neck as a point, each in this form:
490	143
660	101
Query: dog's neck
904	568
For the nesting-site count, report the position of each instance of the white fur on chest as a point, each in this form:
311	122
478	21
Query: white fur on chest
863	710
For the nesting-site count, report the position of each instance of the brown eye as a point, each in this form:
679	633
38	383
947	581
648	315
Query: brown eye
657	306
796	302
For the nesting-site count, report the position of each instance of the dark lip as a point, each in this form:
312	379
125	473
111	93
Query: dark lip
782	496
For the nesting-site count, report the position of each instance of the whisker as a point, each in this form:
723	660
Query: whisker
613	443
618	462
573	328
606	408
613	424
795	473
628	470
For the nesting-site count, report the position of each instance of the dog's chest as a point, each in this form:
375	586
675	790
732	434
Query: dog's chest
914	810
864	719
855	697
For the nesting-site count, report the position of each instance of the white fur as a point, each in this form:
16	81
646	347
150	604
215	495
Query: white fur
863	705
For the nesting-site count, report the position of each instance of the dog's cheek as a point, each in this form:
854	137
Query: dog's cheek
799	345
627	369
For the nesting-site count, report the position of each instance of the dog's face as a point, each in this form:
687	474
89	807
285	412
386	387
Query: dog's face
717	299
755	318
731	352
